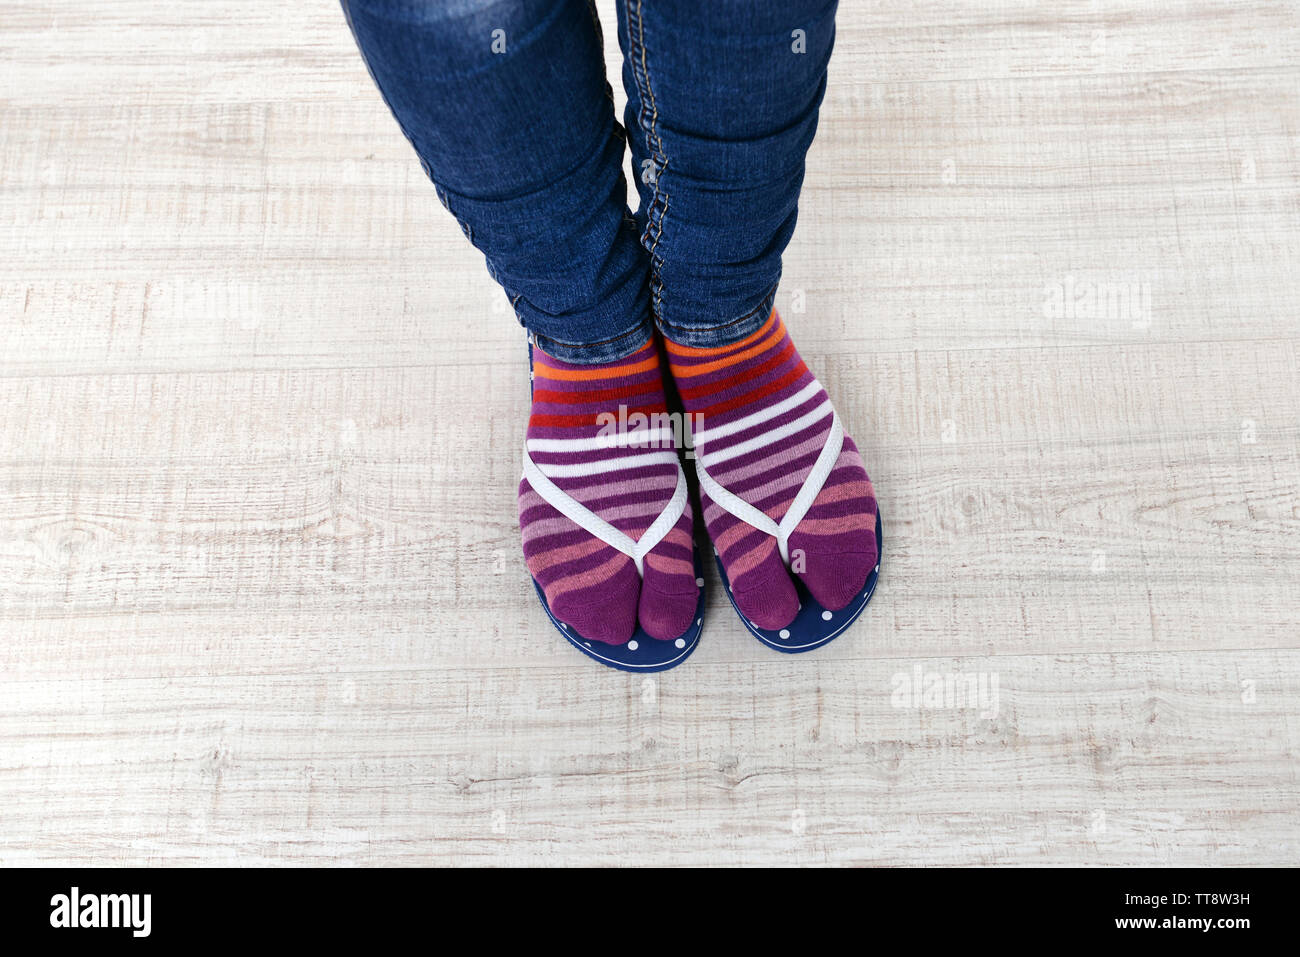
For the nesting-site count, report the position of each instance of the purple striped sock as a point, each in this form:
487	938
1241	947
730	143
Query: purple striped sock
591	586
763	419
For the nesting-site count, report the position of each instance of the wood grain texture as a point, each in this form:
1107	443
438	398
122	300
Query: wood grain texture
261	599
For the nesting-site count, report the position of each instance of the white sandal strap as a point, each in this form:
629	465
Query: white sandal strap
808	493
589	521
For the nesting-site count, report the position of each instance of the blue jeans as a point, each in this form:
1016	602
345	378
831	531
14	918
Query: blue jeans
507	106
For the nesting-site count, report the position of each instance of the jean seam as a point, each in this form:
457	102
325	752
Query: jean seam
643	327
766	306
656	212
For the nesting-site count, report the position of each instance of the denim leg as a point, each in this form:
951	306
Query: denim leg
506	104
722	107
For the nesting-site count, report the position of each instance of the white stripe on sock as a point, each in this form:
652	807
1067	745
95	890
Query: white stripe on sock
614	464
767	438
641	438
756	418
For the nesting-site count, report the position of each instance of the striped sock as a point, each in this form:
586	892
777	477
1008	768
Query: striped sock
591	586
762	420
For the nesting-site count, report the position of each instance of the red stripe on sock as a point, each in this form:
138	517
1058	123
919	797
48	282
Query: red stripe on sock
765	367
747	398
612	394
541	420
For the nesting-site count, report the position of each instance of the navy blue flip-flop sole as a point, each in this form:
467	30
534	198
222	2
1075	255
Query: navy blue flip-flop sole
642	653
814	625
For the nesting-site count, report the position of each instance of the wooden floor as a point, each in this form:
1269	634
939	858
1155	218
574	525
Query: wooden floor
261	596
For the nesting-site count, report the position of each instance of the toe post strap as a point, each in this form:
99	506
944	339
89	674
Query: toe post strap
808	493
589	521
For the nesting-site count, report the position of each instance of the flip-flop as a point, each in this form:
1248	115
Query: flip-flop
814	625
642	652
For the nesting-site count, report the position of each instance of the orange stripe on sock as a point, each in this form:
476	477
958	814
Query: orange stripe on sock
761	370
600	372
684	371
675	349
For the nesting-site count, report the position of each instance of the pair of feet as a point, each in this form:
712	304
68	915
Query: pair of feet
601	436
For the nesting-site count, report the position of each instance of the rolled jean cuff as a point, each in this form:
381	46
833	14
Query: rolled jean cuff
594	353
720	334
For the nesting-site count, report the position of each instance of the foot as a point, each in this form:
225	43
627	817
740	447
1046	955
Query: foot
761	421
623	467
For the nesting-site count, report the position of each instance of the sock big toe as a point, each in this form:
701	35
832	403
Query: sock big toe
605	613
669	590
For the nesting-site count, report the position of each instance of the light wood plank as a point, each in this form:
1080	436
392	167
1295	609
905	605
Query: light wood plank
1124	759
